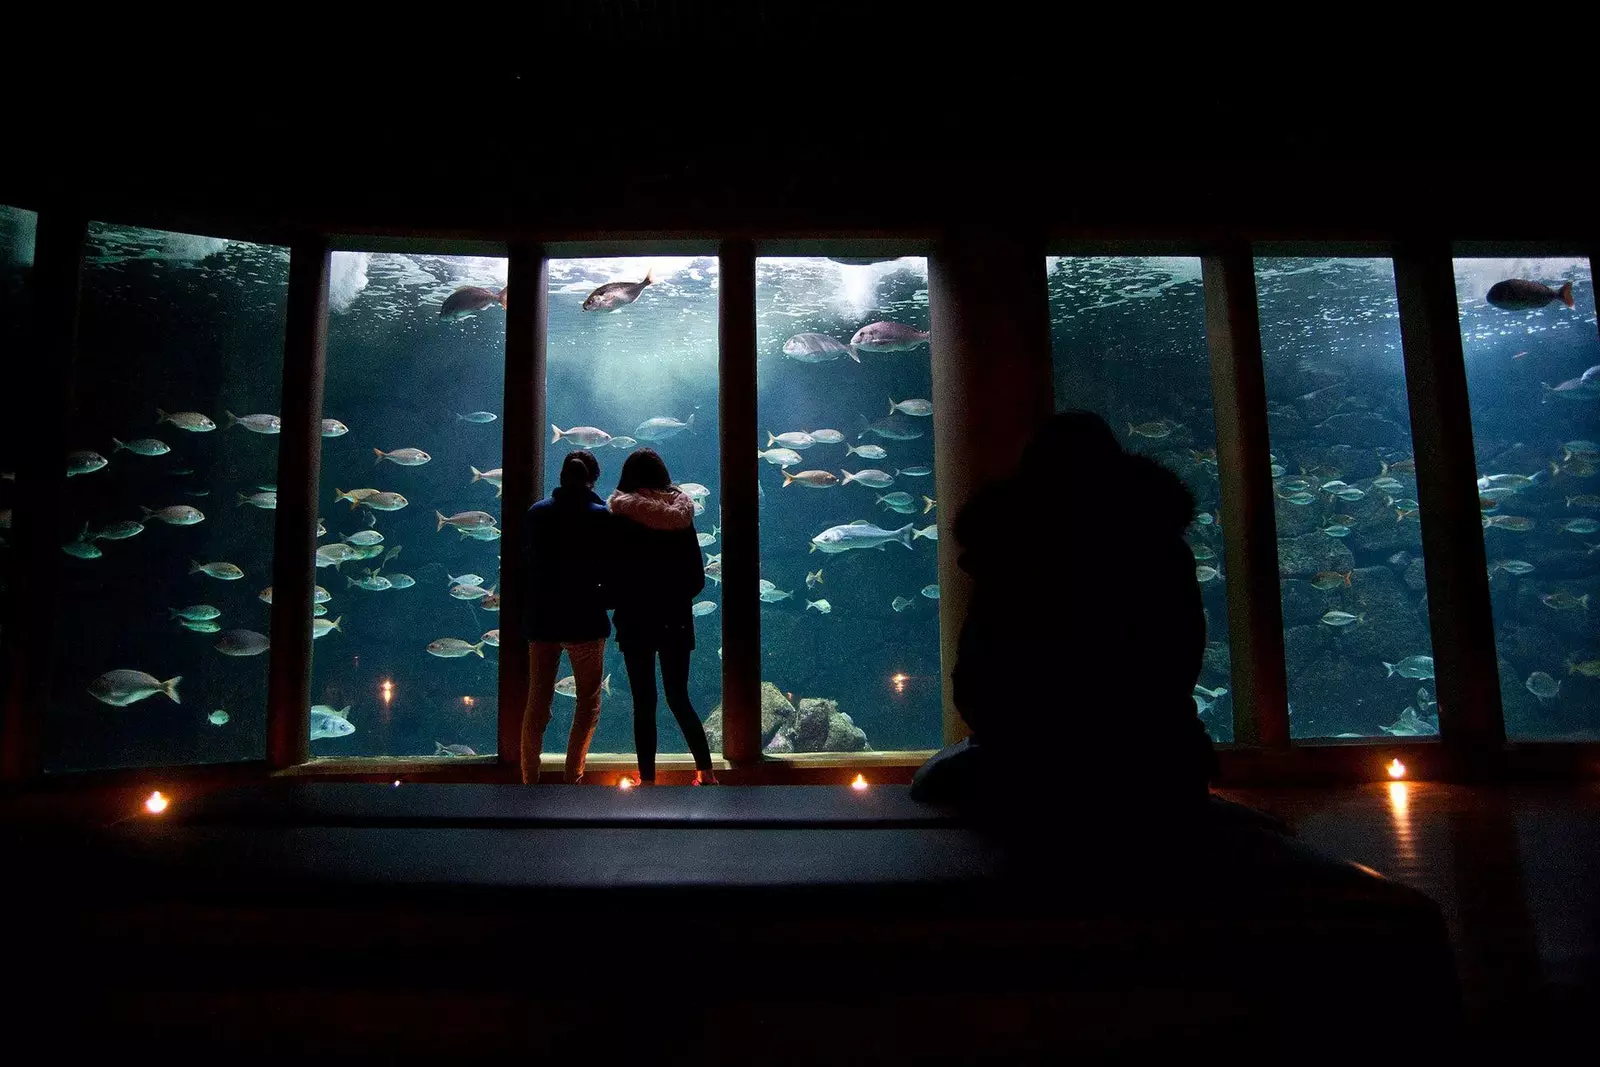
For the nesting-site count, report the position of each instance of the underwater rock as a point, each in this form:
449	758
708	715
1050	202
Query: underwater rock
1306	554
1284	423
713	728
1218	662
1334	694
1353	464
1372	430
1296	519
844	735
1571	624
817	725
779	746
1416	576
809	731
1319	404
776	711
1302	645
1526	648
1392	623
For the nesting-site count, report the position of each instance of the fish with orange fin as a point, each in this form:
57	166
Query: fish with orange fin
470	298
1520	294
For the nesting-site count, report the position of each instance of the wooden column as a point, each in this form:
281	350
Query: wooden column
305	354
1249	524
1471	720
992	390
522	468
45	371
741	516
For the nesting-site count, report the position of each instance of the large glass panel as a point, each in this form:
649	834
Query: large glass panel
17	229
1128	335
408	568
629	367
1356	640
1533	378
849	639
167	519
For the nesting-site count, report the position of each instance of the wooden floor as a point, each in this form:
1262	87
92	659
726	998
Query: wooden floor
1516	870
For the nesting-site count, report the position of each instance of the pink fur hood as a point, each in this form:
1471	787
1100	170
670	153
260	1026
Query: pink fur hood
659	509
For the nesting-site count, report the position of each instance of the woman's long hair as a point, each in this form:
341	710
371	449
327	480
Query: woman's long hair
643	469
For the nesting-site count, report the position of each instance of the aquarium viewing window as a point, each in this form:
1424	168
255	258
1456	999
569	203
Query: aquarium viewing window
1127	335
289	473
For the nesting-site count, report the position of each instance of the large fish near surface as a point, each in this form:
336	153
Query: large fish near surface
816	348
859	534
469	298
1519	294
888	337
616	294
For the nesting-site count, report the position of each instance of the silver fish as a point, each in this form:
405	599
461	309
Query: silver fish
454	648
196	612
225	571
904	503
334	428
797	439
871	478
582	436
771	594
265	501
405	457
919	408
84	463
478	417
119	531
866	451
613	295
660	428
816	348
255	423
822	607
859	534
175	515
779	457
465	520
192	421
325	722
888	337
827	437
453	750
242	643
901	603
703	607
121	688
893	428
145	446
1419	667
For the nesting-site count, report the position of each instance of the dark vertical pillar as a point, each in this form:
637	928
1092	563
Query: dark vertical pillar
992	389
32	615
522	473
1249	525
305	356
1471	722
741	517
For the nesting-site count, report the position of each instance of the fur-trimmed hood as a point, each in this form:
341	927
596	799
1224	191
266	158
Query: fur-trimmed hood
659	509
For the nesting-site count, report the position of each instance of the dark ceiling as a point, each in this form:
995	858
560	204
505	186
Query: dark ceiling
632	117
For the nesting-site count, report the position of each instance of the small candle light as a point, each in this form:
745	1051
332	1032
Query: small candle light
624	782
469	701
860	783
387	689
899	681
1397	769
396	783
155	803
1399	797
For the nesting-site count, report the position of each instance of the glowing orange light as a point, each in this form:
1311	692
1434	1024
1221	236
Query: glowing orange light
1399	797
155	803
387	688
470	702
1397	769
899	682
624	782
860	783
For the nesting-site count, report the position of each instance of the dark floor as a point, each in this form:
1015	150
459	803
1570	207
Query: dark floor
1516	871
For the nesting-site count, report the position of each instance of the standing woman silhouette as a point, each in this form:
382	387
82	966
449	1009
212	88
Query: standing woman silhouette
657	574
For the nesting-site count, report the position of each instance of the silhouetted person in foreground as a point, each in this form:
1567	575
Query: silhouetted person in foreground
565	558
1083	638
657	572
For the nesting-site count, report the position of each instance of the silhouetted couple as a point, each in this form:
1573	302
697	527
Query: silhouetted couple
1084	634
639	557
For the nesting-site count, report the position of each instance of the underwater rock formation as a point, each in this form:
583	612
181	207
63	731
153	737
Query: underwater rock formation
816	725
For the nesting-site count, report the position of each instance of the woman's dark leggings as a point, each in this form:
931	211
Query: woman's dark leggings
641	663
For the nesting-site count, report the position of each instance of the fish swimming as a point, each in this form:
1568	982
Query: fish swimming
218	718
454	648
364	538
1419	667
192	421
322	627
827	437
920	470
199	612
465	520
894	427
242	643
901	603
121	688
470	298
386	501
1519	294
1341	618
145	446
405	457
780	457
613	295
811	479
1542	685
871	478
582	436
822	607
225	571
816	348
931	591
859	534
568	686
771	594
920	408
84	463
703	607
118	531
888	337
175	515
623	442
265	501
255	423
1410	724
660	428
797	439
904	503
334	428
929	532
477	417
325	722
814	578
492	638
